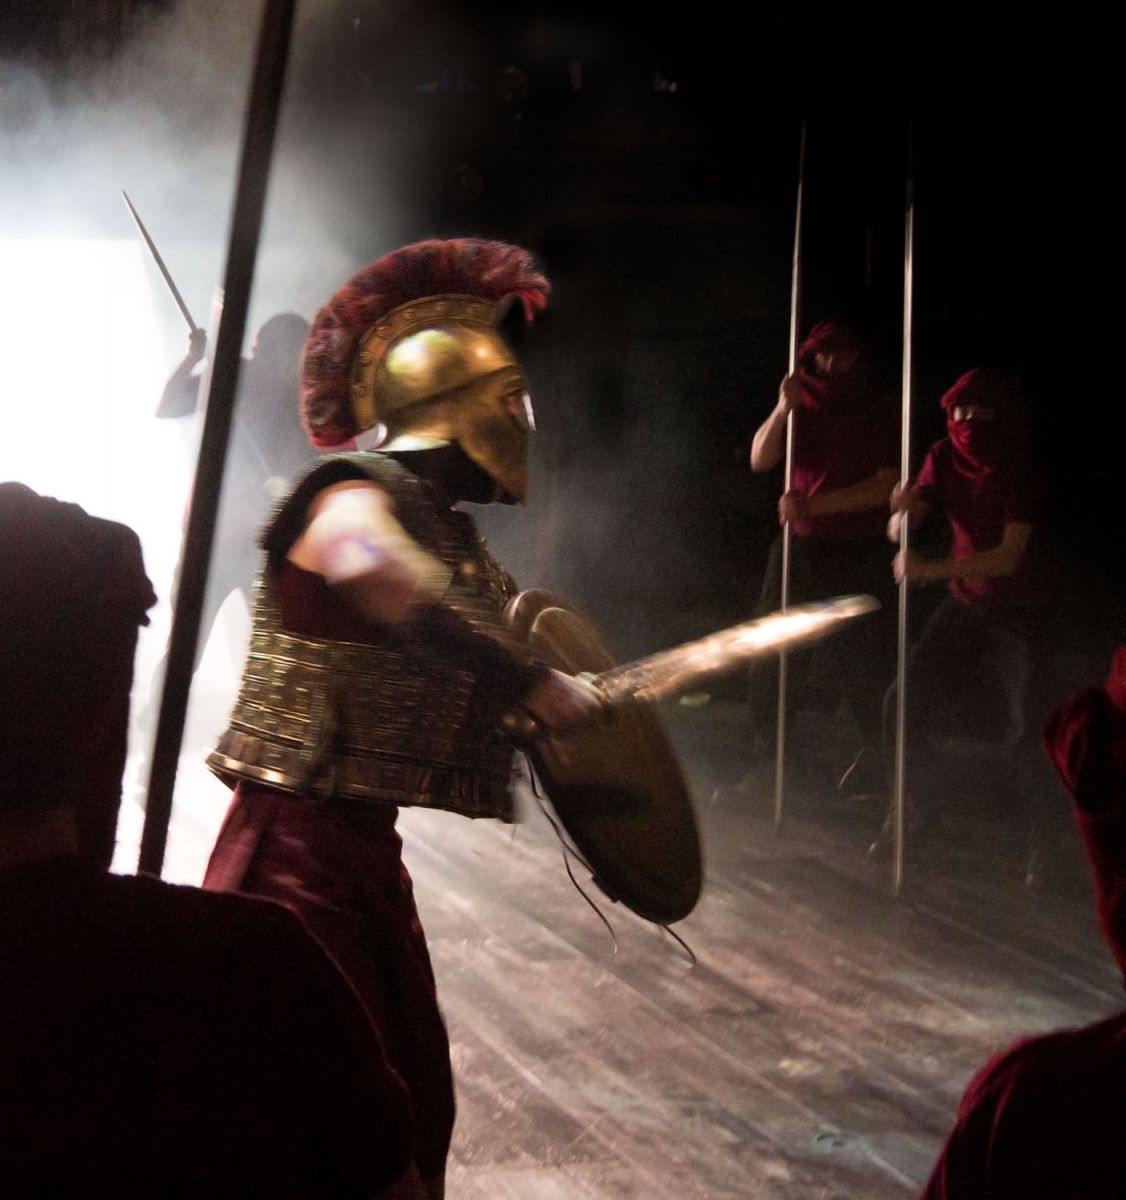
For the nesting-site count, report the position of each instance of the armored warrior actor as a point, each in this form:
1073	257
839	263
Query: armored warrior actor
380	669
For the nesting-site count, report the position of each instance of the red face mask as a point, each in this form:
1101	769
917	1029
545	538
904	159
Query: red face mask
978	438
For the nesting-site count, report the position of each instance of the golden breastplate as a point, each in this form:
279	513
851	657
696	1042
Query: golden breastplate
392	720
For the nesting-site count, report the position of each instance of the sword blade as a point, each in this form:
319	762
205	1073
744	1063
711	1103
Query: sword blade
160	263
672	671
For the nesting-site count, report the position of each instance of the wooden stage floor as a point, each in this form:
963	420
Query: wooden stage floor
816	1051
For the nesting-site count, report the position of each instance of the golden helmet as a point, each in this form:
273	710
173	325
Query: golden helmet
410	343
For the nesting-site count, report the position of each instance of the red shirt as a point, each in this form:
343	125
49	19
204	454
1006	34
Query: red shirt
836	447
844	431
978	505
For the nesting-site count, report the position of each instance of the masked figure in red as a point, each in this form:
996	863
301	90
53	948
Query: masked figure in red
380	668
845	450
1043	1120
976	672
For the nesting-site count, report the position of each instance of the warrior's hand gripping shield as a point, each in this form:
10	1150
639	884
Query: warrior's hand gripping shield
616	784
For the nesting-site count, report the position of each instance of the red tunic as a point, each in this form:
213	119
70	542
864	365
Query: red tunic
339	866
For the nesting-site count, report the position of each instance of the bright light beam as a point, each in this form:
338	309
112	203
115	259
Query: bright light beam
84	361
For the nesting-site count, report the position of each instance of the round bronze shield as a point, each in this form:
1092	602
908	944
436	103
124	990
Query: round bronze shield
616	784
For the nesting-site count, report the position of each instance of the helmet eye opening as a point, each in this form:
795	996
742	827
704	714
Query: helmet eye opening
517	404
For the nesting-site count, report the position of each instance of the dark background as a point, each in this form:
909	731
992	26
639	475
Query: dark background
650	159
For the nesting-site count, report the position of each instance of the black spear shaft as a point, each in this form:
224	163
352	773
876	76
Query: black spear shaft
242	252
156	256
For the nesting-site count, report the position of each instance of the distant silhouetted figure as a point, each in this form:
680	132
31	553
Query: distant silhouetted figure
1044	1119
155	1041
268	447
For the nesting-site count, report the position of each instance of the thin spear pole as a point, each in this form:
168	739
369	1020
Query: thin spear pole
242	251
795	300
900	818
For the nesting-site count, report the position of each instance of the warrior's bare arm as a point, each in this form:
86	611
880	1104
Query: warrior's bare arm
354	542
769	442
999	561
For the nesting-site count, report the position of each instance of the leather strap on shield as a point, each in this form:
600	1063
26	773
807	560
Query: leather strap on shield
615	784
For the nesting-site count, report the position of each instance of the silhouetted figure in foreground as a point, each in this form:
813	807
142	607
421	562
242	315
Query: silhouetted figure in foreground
1044	1120
154	1040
